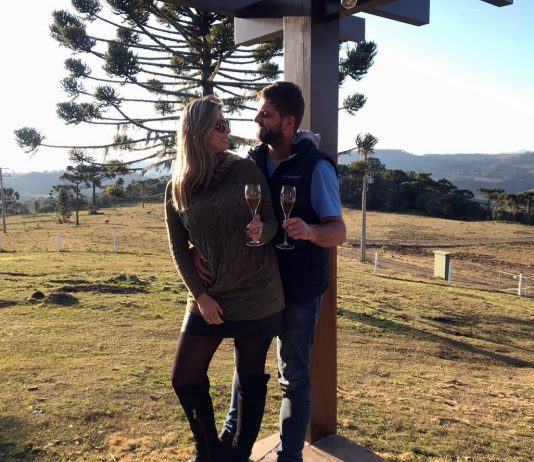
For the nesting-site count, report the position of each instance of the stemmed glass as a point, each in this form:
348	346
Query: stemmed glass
288	195
253	198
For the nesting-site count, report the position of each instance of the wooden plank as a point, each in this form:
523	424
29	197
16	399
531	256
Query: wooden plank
333	448
297	55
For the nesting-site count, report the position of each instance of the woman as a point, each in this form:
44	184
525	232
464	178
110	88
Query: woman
205	206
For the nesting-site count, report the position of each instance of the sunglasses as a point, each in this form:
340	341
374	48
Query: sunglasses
222	125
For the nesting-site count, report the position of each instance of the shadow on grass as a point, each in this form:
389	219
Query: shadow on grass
496	341
12	449
460	322
103	288
404	329
520	322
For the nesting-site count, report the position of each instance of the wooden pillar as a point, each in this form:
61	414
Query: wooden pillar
311	60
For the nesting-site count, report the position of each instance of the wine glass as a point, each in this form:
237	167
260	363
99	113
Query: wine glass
288	195
253	198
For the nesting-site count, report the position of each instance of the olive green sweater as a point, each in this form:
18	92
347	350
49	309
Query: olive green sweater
246	282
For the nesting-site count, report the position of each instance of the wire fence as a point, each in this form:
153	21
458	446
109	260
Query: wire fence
122	239
65	242
516	283
485	279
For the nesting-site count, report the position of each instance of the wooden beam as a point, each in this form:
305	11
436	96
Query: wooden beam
276	9
334	7
257	30
499	2
352	29
251	31
226	7
414	12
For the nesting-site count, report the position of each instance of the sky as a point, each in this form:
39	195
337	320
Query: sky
462	84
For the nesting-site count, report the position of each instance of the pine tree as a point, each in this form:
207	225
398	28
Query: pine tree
12	203
63	203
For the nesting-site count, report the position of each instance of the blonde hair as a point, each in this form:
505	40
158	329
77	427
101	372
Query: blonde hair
194	164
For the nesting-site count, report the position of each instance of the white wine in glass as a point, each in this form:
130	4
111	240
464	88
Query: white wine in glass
253	198
288	196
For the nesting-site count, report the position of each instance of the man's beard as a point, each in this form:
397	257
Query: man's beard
271	137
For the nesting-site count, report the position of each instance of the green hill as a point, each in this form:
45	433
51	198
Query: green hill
512	172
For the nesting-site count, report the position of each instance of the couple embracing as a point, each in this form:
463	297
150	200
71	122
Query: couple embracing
251	294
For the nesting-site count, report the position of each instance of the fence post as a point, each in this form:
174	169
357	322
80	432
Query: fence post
114	242
377	259
520	287
58	242
449	275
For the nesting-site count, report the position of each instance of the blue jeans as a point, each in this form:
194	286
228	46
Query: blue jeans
294	356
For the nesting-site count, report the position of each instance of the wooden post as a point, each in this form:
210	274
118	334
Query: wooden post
311	60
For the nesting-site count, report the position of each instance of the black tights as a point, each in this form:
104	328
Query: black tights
194	353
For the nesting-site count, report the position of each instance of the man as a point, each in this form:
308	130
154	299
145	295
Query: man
289	157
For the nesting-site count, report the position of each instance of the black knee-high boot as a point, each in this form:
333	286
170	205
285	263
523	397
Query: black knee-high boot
252	390
198	407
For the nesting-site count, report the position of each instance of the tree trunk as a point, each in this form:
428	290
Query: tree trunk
77	205
364	224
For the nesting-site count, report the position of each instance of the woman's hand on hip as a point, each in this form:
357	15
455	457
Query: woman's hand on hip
210	309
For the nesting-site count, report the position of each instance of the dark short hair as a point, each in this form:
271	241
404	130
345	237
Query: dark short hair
287	99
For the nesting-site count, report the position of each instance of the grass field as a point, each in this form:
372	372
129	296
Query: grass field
427	372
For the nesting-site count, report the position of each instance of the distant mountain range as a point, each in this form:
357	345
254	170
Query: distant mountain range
512	172
34	185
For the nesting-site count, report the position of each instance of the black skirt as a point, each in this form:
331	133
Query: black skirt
268	327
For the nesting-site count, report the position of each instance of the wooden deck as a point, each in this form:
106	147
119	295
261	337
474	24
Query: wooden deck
333	448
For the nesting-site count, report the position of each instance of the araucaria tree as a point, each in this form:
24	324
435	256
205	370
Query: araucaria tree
156	57
94	174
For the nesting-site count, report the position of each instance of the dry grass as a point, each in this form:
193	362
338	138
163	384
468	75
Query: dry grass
426	372
481	251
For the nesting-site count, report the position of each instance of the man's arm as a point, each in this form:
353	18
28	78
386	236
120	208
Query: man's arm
198	260
330	233
327	205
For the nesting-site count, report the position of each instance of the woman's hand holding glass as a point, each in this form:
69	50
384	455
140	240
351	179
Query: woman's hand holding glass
253	198
255	229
